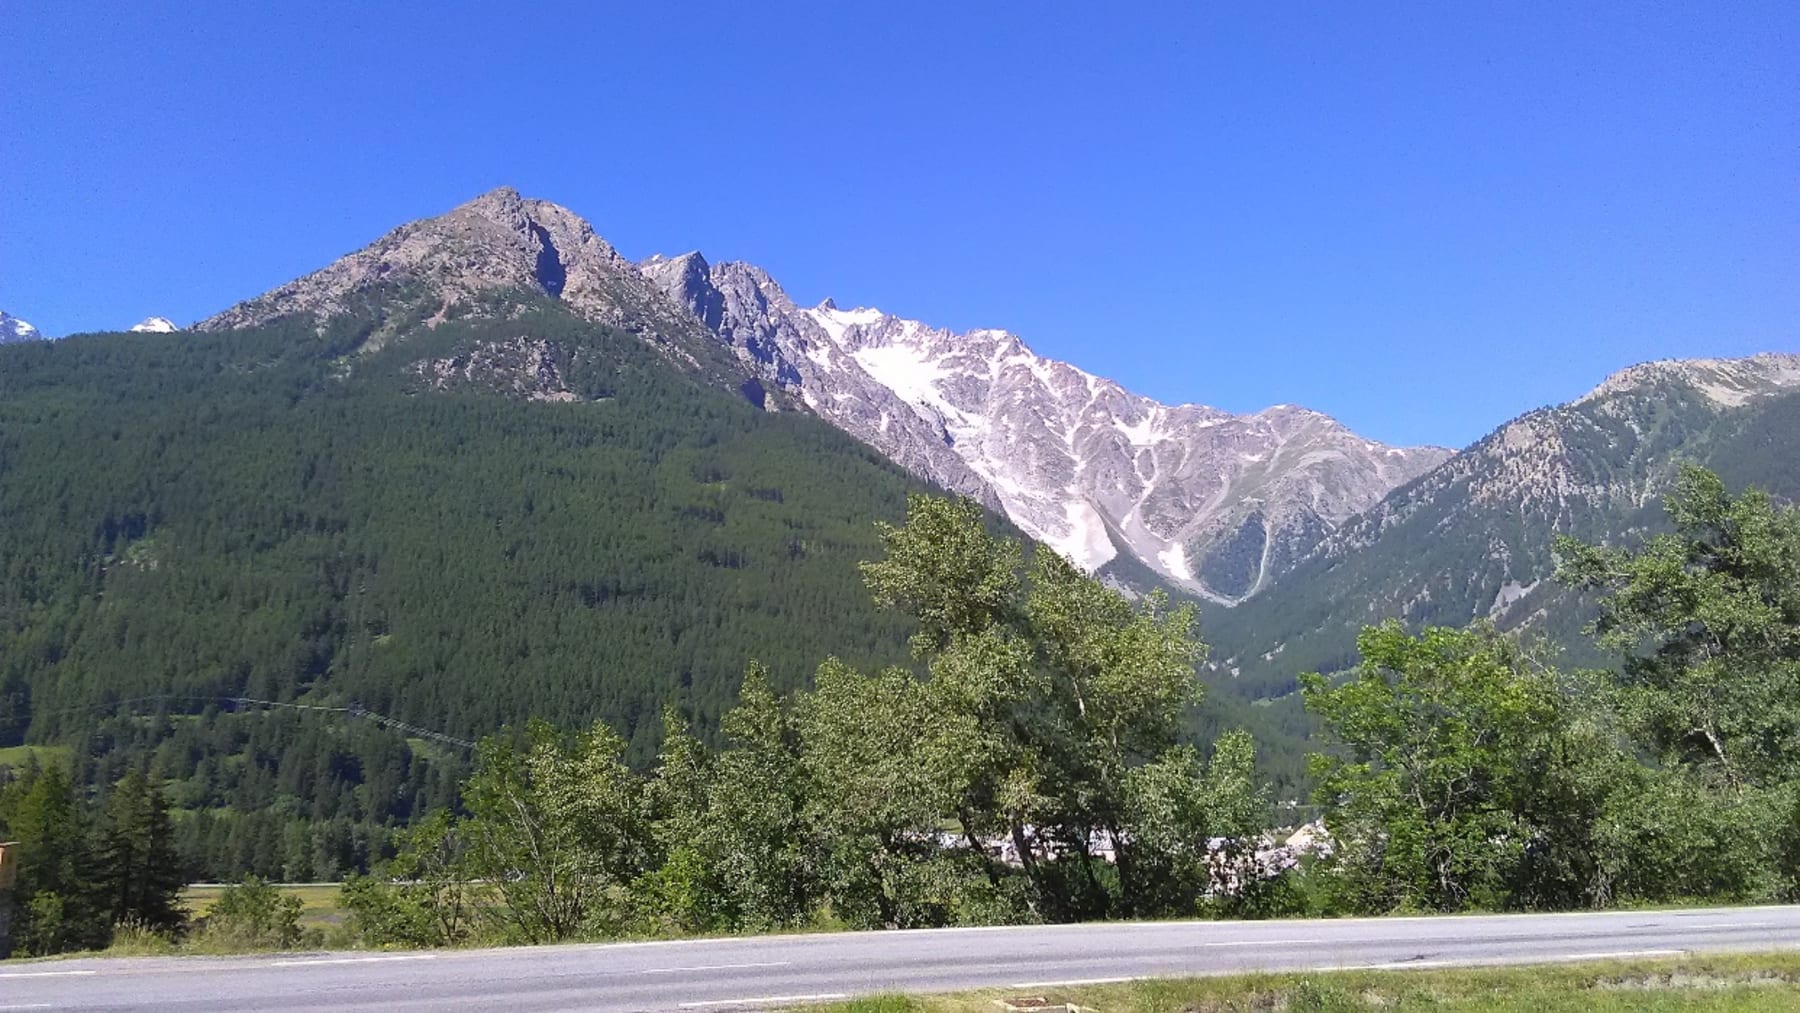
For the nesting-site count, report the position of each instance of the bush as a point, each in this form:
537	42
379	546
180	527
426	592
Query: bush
252	915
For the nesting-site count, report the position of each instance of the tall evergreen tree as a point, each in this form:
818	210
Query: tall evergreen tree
56	908
138	872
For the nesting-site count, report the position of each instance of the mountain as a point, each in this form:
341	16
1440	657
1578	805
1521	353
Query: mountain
155	325
473	262
1214	503
1472	539
13	329
429	484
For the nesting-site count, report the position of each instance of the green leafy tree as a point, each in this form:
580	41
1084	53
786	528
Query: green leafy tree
252	915
555	826
1454	745
1175	807
1058	688
1711	616
684	889
883	769
756	835
423	897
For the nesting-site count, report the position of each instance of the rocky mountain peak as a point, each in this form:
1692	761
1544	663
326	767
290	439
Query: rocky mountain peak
1725	382
498	241
155	325
14	329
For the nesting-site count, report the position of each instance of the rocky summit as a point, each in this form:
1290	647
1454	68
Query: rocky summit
497	245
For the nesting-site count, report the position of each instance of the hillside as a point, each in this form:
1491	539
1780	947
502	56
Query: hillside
1471	539
518	512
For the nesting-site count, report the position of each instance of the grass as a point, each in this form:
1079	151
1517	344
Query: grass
47	756
318	903
1725	983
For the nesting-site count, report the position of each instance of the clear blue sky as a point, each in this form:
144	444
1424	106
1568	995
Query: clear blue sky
1422	221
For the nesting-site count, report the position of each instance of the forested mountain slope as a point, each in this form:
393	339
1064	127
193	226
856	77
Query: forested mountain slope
515	512
1471	539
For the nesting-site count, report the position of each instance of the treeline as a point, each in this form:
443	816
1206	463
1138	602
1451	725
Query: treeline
1036	775
1046	734
1036	772
287	794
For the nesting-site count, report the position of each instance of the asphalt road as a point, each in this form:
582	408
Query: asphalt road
758	972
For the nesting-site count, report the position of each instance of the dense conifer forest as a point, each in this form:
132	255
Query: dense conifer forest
248	560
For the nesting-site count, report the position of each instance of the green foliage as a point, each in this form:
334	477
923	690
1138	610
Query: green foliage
1469	775
301	517
58	908
424	896
1048	720
251	915
139	873
1717	603
1451	741
1045	693
554	824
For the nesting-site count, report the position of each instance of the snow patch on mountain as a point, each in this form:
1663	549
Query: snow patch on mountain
13	329
1214	502
155	325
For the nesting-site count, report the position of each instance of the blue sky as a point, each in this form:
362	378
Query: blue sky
1422	220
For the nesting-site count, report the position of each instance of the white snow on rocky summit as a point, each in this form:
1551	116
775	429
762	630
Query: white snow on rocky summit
155	325
1078	462
13	329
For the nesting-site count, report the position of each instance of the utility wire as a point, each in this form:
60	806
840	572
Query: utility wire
355	711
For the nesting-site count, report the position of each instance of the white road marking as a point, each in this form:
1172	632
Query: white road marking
29	1005
42	974
717	967
1267	942
1727	925
815	997
1075	981
321	961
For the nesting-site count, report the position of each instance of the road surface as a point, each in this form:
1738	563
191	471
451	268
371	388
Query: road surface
758	972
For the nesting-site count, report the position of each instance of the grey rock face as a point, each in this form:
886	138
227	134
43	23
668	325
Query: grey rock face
13	329
1217	503
498	242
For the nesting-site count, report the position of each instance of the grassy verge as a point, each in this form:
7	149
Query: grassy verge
1734	982
318	902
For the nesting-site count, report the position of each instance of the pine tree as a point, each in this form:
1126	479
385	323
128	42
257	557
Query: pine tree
139	872
55	901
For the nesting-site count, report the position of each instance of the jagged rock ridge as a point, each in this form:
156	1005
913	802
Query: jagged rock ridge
1217	503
